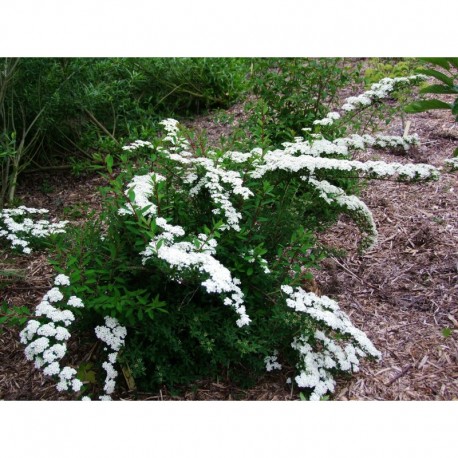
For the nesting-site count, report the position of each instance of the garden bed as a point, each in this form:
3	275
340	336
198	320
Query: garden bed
403	293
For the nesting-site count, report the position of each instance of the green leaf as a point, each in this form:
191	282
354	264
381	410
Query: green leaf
302	397
440	61
440	76
86	373
446	332
425	105
109	162
131	195
439	89
455	107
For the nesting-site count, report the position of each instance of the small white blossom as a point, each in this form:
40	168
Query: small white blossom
272	363
52	369
62	280
75	302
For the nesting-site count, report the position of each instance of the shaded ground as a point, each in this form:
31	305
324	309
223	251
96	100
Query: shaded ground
403	293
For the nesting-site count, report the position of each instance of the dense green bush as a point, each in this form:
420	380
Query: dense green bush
378	68
66	109
291	93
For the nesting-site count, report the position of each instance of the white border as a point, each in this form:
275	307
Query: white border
228	429
153	28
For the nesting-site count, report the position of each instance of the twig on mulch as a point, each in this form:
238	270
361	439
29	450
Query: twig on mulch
399	375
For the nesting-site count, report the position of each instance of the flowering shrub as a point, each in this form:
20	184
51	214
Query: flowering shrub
18	227
199	261
364	111
113	335
320	354
198	249
46	337
452	163
293	94
290	94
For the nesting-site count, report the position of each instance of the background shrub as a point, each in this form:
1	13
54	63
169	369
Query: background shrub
59	109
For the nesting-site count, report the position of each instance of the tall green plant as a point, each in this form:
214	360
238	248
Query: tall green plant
290	94
447	83
28	88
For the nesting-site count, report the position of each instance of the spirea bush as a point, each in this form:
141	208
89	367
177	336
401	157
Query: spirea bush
18	228
204	256
199	263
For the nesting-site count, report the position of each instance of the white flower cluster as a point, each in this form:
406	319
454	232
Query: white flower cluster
113	335
137	144
345	146
17	226
378	91
452	163
360	142
178	142
214	179
183	256
240	158
143	187
381	90
272	363
46	342
328	120
355	207
221	184
326	354
251	258
278	160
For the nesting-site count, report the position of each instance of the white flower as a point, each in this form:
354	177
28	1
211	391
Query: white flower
19	232
333	115
62	333
62	280
75	302
316	365
29	331
62	385
54	295
112	357
67	373
38	346
113	335
76	384
272	363
47	330
52	369
109	386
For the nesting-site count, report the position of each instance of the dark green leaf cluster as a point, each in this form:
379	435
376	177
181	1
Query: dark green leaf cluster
290	94
447	84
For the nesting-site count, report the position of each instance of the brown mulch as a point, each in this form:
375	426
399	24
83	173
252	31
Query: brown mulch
403	293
